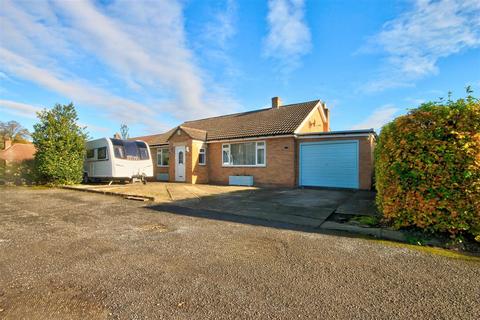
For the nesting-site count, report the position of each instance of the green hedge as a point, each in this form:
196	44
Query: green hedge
428	168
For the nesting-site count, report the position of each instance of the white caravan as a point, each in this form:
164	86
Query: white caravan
114	159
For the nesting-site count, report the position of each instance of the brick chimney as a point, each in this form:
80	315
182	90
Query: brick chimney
7	143
276	102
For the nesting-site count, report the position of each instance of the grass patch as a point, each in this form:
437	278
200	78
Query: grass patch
431	250
366	220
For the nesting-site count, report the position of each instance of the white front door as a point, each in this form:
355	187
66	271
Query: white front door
180	163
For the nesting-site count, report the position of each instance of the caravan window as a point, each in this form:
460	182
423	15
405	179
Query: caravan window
142	150
119	152
102	153
131	150
143	153
90	153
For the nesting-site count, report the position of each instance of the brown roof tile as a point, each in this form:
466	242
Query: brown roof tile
18	152
263	122
156	139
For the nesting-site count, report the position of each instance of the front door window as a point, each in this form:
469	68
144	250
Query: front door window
180	157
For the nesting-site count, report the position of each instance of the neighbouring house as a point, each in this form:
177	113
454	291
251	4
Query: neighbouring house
284	146
17	152
15	161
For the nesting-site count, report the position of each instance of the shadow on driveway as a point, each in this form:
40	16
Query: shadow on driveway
295	209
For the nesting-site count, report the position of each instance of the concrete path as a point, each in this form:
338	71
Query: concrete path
360	203
305	207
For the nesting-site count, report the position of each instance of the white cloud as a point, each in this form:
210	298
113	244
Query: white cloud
30	111
288	36
142	44
415	41
222	27
17	108
75	90
377	118
214	43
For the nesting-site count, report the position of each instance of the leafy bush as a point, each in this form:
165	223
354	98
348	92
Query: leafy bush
428	168
18	173
60	144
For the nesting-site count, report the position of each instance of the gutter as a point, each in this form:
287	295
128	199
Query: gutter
314	135
337	134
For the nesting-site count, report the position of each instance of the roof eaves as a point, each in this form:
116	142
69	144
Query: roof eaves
343	132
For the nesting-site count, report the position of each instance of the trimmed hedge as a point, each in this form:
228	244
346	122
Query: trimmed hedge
428	168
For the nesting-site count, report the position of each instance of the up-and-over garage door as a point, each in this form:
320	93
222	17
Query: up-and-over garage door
329	164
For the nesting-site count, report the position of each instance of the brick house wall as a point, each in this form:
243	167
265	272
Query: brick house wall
365	164
279	169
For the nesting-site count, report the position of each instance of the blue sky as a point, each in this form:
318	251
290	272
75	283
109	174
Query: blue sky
155	64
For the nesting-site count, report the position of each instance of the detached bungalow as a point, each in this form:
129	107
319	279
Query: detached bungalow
285	146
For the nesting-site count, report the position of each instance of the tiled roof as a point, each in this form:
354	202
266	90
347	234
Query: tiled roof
257	123
156	139
18	152
196	134
263	122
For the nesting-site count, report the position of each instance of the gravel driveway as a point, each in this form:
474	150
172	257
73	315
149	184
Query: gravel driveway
75	255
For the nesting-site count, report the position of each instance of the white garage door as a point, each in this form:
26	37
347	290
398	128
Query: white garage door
329	164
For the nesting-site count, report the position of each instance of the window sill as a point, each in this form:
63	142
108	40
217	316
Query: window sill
159	166
244	166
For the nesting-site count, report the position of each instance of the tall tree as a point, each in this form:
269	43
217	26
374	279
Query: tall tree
14	131
124	131
60	144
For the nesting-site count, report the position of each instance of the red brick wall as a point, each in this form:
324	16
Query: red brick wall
279	169
366	145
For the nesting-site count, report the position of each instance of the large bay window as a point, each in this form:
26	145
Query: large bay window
163	157
244	154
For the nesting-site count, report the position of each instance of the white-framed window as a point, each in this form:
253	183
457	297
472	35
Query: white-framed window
244	154
202	157
163	157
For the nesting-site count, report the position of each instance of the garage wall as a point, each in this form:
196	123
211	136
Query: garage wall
365	161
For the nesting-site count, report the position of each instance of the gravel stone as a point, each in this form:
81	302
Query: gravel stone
74	255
